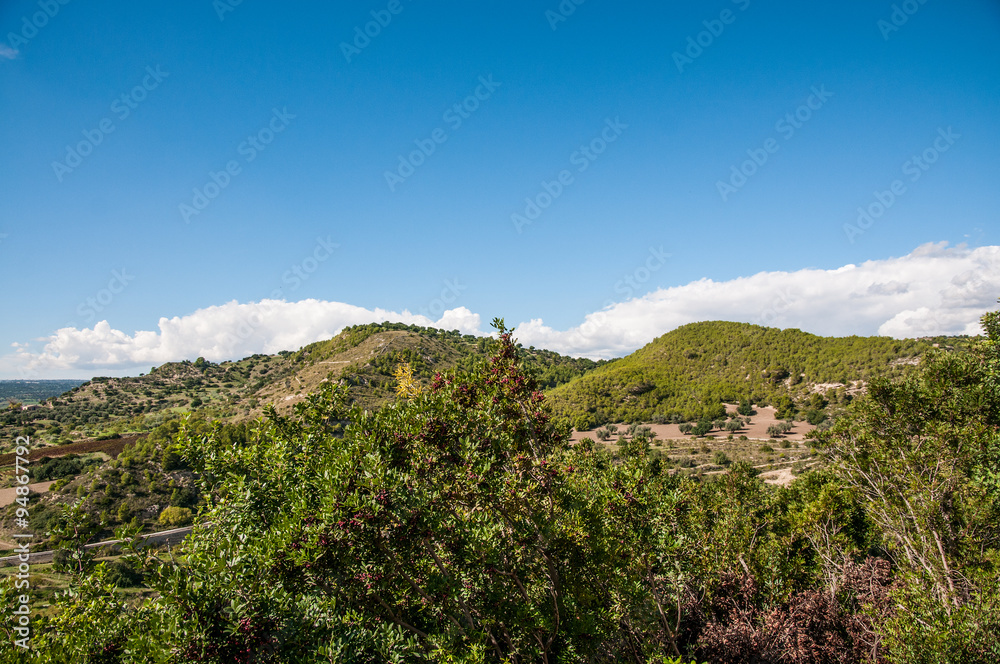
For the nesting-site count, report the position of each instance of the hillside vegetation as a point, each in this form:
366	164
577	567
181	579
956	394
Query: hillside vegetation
456	524
688	373
361	357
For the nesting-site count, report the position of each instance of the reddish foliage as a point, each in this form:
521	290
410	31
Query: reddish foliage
111	447
812	627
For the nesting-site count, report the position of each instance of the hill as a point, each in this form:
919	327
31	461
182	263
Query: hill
362	357
688	373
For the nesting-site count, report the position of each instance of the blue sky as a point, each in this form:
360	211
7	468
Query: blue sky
619	99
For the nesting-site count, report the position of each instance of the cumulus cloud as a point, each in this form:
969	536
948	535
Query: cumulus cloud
7	52
934	290
228	331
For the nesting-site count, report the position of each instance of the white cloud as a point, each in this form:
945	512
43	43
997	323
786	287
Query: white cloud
7	52
936	289
229	331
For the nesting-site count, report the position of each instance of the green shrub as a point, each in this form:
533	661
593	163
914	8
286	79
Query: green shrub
175	517
123	575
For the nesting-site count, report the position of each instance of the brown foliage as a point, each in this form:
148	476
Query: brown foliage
112	448
811	627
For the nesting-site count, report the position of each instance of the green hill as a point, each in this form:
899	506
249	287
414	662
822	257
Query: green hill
362	357
686	374
681	376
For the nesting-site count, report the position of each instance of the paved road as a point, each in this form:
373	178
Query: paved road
163	537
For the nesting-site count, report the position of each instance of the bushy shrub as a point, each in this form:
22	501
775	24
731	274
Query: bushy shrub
175	517
123	575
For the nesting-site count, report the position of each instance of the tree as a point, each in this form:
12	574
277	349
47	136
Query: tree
924	455
174	517
702	428
456	519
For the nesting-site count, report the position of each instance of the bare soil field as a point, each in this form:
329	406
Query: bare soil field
8	495
756	430
778	459
112	448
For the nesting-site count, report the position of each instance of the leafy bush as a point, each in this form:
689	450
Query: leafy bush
702	428
123	575
457	525
175	517
55	468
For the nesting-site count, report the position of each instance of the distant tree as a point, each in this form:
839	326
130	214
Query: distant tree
923	453
174	517
584	422
702	428
815	417
686	428
784	407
